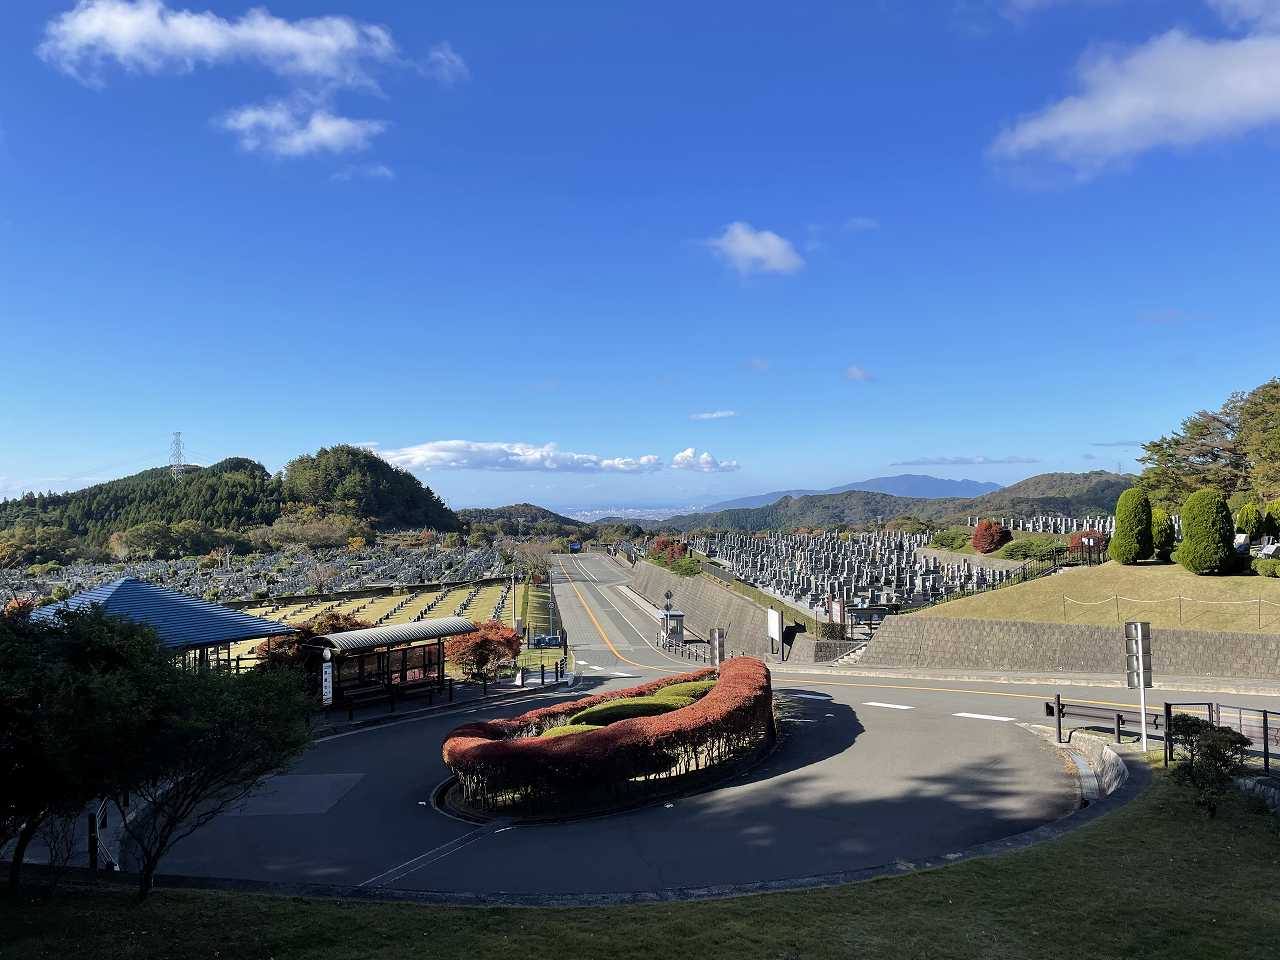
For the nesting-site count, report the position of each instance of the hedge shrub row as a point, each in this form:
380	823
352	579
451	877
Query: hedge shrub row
952	538
569	728
504	763
607	713
1039	547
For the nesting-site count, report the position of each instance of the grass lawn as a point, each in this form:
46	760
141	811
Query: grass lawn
1152	879
1094	587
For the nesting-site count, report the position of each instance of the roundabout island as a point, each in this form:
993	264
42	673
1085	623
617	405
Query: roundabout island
615	750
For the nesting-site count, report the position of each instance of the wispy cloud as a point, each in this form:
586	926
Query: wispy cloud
1174	90
444	63
961	461
861	224
855	372
1116	443
749	250
758	364
366	171
690	459
714	415
315	56
491	455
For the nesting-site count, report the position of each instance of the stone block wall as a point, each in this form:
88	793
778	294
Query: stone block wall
940	643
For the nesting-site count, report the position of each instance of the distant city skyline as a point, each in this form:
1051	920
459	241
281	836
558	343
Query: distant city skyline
581	257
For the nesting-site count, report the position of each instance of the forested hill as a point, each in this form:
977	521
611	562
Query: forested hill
237	494
1069	494
522	515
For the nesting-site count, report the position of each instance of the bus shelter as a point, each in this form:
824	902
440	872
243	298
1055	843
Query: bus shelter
398	659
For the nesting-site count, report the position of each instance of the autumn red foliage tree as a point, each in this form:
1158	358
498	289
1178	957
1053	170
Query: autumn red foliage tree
1097	536
479	654
990	535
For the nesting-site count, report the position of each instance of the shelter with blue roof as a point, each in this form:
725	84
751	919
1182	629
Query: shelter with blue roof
195	629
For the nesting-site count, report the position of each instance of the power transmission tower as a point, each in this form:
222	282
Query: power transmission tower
175	455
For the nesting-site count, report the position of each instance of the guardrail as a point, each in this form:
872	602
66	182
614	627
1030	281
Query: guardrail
1060	710
1259	725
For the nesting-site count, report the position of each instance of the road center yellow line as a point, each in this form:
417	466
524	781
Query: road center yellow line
600	630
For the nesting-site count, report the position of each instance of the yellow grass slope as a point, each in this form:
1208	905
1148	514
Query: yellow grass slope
1145	592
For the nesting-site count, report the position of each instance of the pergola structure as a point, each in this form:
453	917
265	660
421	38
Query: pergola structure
199	632
397	659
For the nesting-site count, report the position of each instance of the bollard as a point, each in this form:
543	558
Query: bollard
1119	721
542	667
1057	712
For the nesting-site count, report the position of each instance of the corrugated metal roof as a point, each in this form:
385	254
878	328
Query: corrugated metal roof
181	621
353	641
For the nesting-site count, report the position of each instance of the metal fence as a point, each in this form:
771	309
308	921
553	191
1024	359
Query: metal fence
1259	725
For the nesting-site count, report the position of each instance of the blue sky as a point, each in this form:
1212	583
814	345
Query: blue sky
966	238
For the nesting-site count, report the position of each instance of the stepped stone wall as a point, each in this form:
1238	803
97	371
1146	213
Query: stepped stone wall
941	643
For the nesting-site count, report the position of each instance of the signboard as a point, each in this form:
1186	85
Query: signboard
717	645
775	625
1137	657
326	683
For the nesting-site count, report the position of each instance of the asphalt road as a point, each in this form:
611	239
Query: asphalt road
869	772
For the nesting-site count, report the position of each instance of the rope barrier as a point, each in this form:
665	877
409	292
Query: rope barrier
1180	600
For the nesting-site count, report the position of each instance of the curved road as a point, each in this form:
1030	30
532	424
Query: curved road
868	773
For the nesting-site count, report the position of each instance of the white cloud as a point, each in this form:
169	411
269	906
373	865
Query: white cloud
289	131
1175	90
149	37
749	250
444	63
316	56
713	415
690	459
961	461
488	455
855	372
1245	13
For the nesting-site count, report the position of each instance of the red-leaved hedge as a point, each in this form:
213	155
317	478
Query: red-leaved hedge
506	761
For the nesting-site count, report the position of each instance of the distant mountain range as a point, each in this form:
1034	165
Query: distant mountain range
1063	494
902	485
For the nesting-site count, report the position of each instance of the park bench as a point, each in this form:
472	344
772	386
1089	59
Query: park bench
1117	719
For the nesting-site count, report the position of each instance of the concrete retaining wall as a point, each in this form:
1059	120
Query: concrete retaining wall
1014	646
706	605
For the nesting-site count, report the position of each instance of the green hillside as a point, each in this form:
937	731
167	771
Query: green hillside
1067	494
237	494
521	515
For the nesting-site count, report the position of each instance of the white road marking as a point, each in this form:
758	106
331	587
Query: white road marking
619	673
887	706
578	561
982	716
431	856
582	663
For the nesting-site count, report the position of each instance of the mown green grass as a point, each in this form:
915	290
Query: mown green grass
1152	879
1151	590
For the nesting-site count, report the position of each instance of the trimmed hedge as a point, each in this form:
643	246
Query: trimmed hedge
1266	567
1163	535
1132	539
607	713
505	763
1207	533
568	729
1039	547
692	689
952	538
